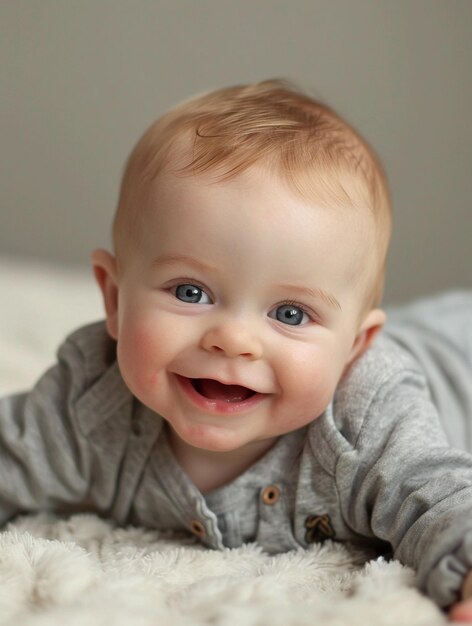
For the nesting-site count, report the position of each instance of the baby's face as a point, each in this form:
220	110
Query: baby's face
238	307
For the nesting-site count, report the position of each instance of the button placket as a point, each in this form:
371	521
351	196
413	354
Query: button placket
274	531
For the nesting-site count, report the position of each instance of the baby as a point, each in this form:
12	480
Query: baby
236	390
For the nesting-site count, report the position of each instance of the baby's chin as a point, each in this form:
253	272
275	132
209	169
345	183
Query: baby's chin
216	441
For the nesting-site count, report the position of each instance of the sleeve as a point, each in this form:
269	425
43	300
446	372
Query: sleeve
44	463
398	480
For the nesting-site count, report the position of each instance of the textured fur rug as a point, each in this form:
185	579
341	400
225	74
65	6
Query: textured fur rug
84	571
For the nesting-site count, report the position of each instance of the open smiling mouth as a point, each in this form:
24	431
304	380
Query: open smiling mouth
214	390
215	397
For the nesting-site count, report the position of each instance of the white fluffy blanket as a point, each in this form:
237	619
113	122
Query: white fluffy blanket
85	571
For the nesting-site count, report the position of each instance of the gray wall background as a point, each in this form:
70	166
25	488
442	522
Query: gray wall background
81	79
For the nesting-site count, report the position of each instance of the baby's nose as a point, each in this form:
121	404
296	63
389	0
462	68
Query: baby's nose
233	340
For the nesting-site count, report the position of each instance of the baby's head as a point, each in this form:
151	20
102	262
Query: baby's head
269	124
250	244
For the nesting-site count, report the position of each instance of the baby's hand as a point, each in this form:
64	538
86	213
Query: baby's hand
462	611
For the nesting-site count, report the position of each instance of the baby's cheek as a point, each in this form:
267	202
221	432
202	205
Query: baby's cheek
310	383
138	357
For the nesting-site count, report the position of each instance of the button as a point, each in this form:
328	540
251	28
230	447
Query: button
271	495
319	528
197	528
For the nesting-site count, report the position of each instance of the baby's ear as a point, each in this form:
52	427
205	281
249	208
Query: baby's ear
104	268
369	329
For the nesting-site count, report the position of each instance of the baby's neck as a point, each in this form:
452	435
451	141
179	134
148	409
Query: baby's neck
209	470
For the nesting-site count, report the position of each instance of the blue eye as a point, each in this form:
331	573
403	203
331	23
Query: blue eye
290	314
192	294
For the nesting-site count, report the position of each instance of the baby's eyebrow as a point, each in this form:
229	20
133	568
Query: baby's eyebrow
314	292
167	259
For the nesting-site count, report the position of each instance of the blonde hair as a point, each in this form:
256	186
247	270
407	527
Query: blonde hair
225	132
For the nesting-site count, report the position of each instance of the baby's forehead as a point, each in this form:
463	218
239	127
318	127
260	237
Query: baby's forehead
264	190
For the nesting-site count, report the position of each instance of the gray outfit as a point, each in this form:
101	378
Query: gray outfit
375	468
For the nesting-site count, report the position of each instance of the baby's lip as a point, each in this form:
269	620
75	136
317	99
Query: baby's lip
213	396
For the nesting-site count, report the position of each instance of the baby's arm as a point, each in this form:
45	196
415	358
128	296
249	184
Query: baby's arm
42	467
58	449
398	479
